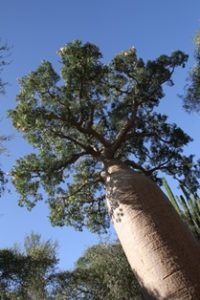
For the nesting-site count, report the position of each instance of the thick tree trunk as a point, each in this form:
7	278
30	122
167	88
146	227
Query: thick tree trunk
160	248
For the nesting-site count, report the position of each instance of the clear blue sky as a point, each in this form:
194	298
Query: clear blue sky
37	29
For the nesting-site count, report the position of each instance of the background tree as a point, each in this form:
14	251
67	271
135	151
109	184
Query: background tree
3	62
44	259
26	274
102	272
192	96
103	116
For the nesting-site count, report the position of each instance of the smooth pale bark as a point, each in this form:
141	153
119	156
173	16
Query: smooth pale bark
160	248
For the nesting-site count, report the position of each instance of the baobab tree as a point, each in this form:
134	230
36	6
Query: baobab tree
100	145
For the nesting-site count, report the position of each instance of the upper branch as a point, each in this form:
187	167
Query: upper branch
90	131
88	149
85	130
123	132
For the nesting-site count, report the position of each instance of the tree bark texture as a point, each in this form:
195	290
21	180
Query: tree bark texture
160	248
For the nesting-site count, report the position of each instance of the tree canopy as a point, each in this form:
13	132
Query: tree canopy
90	114
101	273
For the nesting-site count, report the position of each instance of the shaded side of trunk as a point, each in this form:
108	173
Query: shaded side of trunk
160	248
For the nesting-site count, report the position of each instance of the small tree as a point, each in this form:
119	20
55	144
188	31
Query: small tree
44	260
192	96
3	62
26	274
102	117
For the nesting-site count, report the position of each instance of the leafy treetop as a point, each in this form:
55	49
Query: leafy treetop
86	117
27	274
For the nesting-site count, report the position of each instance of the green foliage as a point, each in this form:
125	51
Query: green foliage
192	96
26	275
170	195
91	114
187	205
101	273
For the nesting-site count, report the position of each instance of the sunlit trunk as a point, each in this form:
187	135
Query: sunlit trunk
160	248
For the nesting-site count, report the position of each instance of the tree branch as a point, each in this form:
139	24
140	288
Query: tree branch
123	132
90	131
89	149
65	198
159	167
134	165
147	171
